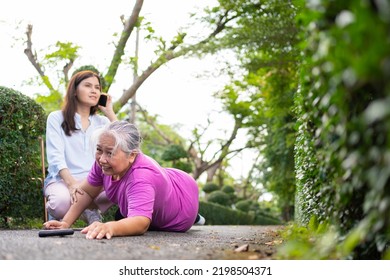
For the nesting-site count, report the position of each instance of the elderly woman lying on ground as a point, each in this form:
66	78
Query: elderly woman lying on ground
149	197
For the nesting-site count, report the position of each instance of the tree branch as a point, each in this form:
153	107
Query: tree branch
32	57
153	124
169	55
129	25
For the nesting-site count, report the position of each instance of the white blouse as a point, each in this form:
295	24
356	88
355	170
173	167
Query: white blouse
72	152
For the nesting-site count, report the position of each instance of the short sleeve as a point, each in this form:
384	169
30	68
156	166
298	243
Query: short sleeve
95	175
141	198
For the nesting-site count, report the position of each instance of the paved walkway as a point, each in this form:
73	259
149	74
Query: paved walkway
199	243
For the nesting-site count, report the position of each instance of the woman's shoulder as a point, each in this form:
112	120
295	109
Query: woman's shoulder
56	115
146	164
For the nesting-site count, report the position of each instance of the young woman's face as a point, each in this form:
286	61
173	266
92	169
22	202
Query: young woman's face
88	91
112	164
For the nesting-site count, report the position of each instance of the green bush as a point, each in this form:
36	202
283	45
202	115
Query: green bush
182	165
244	205
216	214
342	151
178	157
210	187
173	152
228	189
219	197
22	122
231	192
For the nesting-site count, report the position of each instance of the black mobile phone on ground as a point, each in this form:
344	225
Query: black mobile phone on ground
55	232
102	100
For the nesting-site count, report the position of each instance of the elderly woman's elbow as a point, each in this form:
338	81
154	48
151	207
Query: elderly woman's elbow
145	226
142	225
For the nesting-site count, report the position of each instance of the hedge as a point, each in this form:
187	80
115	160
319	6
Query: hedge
216	214
342	151
22	122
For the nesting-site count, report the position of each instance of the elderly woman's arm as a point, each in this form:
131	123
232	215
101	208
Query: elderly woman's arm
128	226
81	199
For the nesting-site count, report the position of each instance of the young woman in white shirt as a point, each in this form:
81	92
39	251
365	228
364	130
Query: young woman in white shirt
69	155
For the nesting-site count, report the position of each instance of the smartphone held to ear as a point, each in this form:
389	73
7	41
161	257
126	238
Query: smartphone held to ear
103	100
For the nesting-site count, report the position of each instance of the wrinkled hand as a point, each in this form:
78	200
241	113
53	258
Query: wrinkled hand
97	230
55	225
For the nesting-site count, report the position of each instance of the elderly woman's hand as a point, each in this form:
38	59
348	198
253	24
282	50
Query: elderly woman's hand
97	230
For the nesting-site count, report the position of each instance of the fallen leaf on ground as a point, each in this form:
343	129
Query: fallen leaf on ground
242	248
253	257
274	242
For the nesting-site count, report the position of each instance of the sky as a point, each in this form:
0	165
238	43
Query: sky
179	92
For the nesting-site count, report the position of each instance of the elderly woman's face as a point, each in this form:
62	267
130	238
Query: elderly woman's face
114	163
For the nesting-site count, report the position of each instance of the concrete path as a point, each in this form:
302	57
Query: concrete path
199	243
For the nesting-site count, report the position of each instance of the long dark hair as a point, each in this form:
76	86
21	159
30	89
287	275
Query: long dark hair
70	101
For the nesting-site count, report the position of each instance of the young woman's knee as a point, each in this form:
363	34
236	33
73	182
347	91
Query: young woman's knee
57	208
58	200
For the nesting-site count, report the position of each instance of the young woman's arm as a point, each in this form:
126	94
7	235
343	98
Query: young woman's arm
68	179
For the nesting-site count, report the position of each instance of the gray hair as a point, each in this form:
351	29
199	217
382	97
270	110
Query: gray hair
126	135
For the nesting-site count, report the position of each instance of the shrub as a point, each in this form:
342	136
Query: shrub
210	187
22	122
231	192
342	152
228	189
178	158
173	152
185	166
219	197
216	214
244	205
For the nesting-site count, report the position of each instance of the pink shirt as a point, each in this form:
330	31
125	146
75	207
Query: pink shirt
168	197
